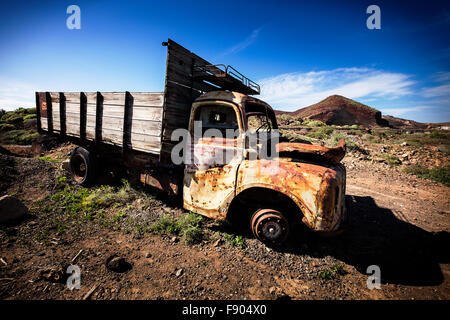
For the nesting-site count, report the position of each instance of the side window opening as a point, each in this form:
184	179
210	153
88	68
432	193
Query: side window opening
217	117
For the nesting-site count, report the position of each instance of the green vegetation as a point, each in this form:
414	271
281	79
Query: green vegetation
333	273
236	241
188	226
439	174
48	159
438	135
292	136
29	116
6	127
17	116
313	123
107	195
372	139
421	139
21	137
356	132
326	275
391	159
336	137
338	269
320	133
11	124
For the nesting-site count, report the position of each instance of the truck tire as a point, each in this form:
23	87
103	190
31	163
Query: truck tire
270	226
82	167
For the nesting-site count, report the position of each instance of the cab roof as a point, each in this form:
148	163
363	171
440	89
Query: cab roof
236	97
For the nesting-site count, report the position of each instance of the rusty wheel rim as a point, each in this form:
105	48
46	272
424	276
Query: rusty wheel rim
270	226
78	167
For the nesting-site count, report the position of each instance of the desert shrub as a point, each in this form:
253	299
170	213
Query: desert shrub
438	135
188	226
21	137
29	116
6	127
313	123
12	118
380	134
333	273
320	133
16	116
391	159
336	137
192	234
372	139
356	132
439	174
165	224
236	241
326	275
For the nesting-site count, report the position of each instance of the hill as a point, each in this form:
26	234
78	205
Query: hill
404	123
339	110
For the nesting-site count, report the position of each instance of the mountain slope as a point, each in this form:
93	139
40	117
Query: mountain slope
339	110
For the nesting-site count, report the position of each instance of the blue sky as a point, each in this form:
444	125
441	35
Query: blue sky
300	52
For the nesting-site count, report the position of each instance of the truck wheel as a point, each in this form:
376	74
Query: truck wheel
270	226
82	167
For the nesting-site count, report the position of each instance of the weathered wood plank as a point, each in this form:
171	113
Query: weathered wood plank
83	108
99	117
62	113
127	118
155	99
49	112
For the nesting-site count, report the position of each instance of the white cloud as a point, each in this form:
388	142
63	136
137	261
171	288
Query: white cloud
442	90
15	94
243	44
396	112
291	91
441	76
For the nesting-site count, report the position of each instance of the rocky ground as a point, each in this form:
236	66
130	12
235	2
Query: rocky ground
397	221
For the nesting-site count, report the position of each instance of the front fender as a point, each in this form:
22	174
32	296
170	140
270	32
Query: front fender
306	184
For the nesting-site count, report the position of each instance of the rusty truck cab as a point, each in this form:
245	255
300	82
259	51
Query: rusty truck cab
229	177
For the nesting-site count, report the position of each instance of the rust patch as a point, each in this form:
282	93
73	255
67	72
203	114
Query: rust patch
299	150
162	182
312	187
44	109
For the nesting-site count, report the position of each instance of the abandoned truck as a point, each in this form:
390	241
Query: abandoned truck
302	183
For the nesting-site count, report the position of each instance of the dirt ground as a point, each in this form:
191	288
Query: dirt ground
396	221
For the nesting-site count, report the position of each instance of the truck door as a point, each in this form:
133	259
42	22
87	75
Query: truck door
216	152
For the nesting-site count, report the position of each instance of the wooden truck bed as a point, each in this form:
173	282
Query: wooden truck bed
100	116
140	121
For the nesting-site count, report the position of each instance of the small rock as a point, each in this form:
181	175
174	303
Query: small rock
117	264
11	209
174	239
148	255
404	143
179	272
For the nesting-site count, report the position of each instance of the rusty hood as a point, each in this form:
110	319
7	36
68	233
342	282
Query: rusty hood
312	152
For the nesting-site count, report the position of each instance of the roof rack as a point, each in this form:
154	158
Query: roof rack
226	77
